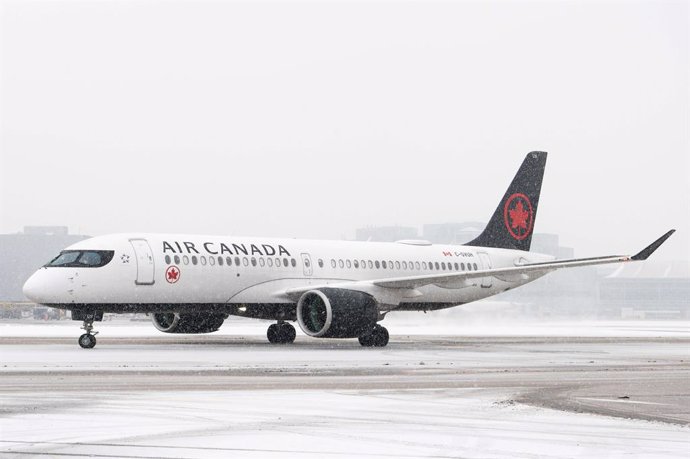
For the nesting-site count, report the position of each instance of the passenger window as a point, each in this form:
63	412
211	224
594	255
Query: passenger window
293	262
320	263
424	265
341	264
245	261
228	261
253	261
456	267
270	262
177	259
262	262
277	262
220	261
376	263
371	264
416	265
348	263
431	265
436	265
203	260
363	264
397	265
211	261
356	263
285	262
333	263
443	265
475	266
167	259
194	260
185	259
404	265
237	261
383	264
469	267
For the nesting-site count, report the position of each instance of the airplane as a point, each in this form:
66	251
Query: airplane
332	289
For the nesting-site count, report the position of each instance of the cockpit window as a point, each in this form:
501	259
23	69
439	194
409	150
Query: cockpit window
82	258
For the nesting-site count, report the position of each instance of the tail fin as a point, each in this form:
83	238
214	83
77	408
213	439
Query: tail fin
513	221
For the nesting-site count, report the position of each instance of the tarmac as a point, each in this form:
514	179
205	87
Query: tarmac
631	384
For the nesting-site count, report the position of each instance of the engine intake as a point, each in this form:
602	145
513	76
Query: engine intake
336	313
173	322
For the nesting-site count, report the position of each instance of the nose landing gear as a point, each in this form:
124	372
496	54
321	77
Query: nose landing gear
281	333
88	339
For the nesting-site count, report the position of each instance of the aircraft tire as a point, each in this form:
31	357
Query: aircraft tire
281	333
288	333
366	340
380	336
87	341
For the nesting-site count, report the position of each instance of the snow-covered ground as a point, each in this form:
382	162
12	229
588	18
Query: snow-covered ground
471	423
231	394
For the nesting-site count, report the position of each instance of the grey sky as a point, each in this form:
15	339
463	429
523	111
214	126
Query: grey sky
312	119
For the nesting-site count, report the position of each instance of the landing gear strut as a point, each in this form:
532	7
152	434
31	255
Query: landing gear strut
88	339
378	337
281	333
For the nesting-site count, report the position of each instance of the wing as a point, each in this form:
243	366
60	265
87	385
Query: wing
393	290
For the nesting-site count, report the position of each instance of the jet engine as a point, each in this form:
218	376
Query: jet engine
173	322
336	313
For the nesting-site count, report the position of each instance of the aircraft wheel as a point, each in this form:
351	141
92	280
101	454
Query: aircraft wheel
288	333
281	333
366	340
273	334
87	341
380	336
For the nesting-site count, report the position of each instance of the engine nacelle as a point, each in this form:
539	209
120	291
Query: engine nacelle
173	322
336	313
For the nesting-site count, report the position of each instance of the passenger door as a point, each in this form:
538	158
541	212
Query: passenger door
145	264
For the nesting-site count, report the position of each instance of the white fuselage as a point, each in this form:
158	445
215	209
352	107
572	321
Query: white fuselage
150	272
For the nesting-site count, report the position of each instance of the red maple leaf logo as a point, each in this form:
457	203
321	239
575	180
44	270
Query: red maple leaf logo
172	274
518	216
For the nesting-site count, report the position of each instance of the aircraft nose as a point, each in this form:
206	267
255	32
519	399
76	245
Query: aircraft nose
34	288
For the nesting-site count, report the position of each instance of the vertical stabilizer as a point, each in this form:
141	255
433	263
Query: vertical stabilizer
512	224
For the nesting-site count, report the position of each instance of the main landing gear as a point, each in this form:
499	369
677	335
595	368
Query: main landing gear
378	337
281	333
88	339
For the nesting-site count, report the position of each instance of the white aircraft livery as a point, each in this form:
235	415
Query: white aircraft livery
332	289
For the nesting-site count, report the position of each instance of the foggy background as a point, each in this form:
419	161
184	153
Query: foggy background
310	120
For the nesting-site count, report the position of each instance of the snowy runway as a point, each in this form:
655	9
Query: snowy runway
141	395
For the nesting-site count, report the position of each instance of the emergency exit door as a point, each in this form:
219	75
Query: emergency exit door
144	258
306	264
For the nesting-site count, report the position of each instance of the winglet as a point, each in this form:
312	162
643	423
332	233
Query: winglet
646	252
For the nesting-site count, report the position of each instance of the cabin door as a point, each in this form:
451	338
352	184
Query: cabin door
306	264
144	258
486	264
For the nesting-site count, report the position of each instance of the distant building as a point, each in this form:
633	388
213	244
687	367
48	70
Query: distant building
23	253
648	290
386	233
452	233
